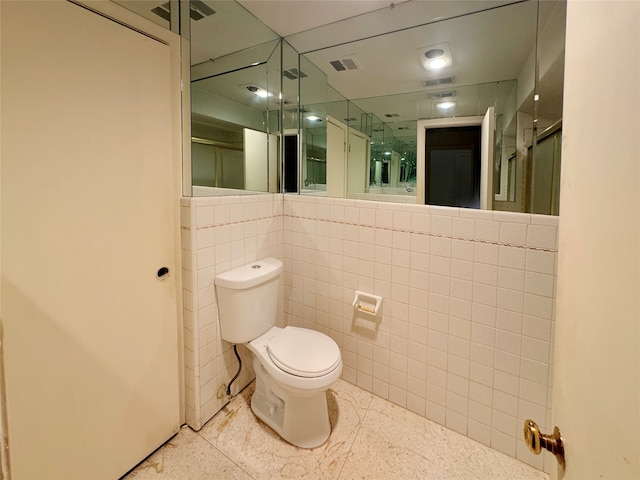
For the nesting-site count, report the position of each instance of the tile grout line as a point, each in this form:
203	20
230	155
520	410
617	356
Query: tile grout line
391	229
427	234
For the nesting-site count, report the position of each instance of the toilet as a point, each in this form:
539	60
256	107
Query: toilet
294	366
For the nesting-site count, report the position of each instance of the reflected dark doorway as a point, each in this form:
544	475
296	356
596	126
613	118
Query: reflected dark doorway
452	167
290	163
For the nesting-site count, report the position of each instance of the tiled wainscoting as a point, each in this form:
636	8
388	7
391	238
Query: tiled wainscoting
219	233
466	334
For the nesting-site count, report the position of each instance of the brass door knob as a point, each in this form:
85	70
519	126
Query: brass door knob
536	441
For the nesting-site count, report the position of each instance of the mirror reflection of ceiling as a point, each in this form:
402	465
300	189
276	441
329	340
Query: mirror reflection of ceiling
392	63
316	26
389	64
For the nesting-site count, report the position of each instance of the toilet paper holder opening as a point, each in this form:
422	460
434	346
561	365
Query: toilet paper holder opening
368	304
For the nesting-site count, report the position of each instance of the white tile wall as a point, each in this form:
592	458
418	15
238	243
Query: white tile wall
469	298
466	334
219	233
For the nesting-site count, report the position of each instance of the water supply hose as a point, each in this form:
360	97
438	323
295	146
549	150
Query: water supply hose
235	350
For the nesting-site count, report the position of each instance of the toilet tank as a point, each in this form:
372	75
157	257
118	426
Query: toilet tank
248	299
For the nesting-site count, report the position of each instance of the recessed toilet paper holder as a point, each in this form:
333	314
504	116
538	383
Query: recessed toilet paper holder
368	304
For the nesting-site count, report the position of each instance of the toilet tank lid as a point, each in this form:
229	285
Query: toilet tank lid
250	275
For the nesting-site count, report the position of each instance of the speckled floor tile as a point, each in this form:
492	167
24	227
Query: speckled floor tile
264	455
187	456
370	439
394	443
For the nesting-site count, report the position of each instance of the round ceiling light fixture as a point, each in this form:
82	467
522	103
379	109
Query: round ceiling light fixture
260	92
436	57
434	53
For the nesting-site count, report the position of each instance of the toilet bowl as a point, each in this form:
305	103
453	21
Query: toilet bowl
294	366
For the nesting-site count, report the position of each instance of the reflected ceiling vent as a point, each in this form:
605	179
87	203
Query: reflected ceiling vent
439	81
391	115
449	94
350	119
197	10
163	11
404	128
346	63
294	73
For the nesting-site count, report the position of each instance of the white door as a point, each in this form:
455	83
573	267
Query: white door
256	160
596	400
336	158
357	162
90	333
487	148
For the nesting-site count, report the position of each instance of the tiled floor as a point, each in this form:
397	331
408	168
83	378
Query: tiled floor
371	439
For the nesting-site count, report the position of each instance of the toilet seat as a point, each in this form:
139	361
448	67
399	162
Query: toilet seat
303	352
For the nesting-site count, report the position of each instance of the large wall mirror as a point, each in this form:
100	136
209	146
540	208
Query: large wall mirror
236	95
499	70
356	107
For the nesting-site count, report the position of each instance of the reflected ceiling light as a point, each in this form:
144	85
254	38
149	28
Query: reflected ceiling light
260	92
446	105
437	63
436	57
313	118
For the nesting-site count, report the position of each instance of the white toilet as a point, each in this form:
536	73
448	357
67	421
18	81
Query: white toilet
294	366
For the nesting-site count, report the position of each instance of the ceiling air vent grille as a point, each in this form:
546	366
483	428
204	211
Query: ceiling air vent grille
294	73
442	94
344	64
197	10
439	81
163	11
391	115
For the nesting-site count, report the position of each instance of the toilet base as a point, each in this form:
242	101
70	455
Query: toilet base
300	420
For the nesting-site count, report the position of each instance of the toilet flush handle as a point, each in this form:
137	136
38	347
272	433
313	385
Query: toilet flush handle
536	441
